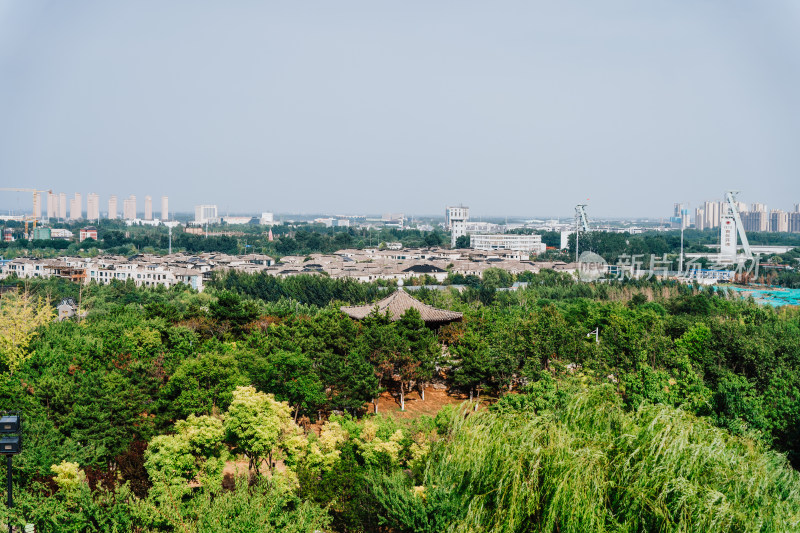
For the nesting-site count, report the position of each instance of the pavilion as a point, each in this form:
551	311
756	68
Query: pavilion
398	303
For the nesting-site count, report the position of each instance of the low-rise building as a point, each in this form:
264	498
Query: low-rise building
89	232
506	241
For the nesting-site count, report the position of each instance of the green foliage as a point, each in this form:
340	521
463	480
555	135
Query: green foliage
201	385
69	476
593	467
292	378
265	506
94	391
20	317
255	424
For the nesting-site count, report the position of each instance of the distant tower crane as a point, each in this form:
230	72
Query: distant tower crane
20	189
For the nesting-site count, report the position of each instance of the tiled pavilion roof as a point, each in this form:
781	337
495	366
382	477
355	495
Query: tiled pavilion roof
398	303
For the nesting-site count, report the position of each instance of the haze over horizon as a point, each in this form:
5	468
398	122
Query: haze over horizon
518	109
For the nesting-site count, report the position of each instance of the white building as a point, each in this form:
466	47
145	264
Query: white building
52	205
148	208
481	227
112	207
164	208
523	243
267	219
205	214
237	220
76	207
778	220
62	205
37	205
129	208
93	206
455	220
699	219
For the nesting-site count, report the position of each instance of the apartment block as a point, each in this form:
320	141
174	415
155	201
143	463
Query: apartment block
778	221
112	207
93	206
129	208
76	207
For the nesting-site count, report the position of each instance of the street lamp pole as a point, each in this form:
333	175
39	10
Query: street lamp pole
10	502
10	444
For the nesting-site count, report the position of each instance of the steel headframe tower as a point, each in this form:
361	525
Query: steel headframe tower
580	220
730	196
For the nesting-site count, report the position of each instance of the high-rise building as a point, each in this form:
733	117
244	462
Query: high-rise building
758	207
778	220
699	219
112	207
205	214
460	213
52	205
794	222
164	208
37	205
455	219
797	208
755	220
76	207
148	208
62	206
711	211
93	206
681	216
129	208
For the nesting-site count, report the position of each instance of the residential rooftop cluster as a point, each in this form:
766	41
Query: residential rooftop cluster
194	270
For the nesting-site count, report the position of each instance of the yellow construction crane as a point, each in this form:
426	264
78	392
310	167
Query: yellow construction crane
27	219
22	189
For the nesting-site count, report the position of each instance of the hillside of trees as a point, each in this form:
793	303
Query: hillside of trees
684	417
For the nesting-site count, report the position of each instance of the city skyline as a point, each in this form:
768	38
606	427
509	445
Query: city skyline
23	202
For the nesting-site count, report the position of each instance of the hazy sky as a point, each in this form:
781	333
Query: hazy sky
517	108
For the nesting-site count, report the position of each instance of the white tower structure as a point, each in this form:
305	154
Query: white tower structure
455	219
730	224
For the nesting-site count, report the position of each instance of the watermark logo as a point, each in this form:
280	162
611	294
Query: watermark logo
591	266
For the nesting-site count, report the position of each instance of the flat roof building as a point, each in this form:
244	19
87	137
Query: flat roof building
205	214
523	243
